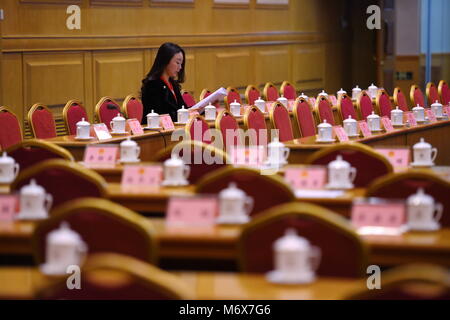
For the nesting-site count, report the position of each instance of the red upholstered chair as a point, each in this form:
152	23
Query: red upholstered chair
345	107
409	282
232	95
280	119
42	122
251	94
368	163
205	93
110	276
343	253
288	90
31	152
323	110
191	152
432	93
400	100
10	129
132	107
383	104
416	96
266	190
72	113
103	225
188	99
198	129
304	117
64	180
270	92
364	105
401	185
444	92
229	128
105	110
254	120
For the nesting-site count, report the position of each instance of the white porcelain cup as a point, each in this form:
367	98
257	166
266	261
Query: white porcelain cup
118	124
423	211
425	155
35	203
153	120
182	115
325	133
175	172
397	116
374	123
130	153
235	108
278	154
83	129
351	127
340	173
9	169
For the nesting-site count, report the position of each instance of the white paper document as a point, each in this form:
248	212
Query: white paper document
216	95
304	193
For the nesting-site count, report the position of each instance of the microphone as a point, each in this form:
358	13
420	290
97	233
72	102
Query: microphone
111	106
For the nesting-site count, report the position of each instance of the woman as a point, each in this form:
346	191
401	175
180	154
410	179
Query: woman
161	87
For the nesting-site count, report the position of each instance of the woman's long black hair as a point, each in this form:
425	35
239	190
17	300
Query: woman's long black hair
163	57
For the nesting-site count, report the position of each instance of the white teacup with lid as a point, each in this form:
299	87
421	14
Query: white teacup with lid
304	96
283	101
419	113
295	260
397	116
340	174
355	92
182	115
129	151
83	129
277	152
324	132
437	109
234	205
351	127
153	120
118	124
35	203
341	92
176	172
424	154
235	108
8	168
261	104
210	112
323	93
64	248
372	89
423	213
374	122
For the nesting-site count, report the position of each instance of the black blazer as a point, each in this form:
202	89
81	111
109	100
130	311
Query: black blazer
157	97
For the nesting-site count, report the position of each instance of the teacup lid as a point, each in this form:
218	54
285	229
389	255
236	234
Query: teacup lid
235	104
232	192
342	91
339	163
291	241
174	161
422	144
32	189
373	115
436	104
210	107
397	110
259	100
420	198
349	119
282	98
128	143
83	122
64	235
304	96
6	159
356	88
323	93
417	108
152	114
373	87
183	110
324	124
276	143
118	118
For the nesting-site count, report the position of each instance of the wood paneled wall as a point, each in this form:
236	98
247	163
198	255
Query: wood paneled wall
43	61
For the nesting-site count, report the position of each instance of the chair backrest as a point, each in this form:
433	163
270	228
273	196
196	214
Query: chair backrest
72	113
103	225
343	253
280	119
252	182
10	129
400	100
432	93
191	152
110	276
188	98
364	105
416	96
31	152
288	90
133	108
232	95
345	107
229	128
369	164
304	118
270	92
403	184
198	129
205	92
324	110
444	92
383	104
251	94
254	120
41	121
63	180
105	110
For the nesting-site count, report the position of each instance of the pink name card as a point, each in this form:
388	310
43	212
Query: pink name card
306	178
312	101
269	106
333	99
142	175
8	207
447	111
411	119
431	115
340	133
101	155
101	131
389	215
398	157
387	124
197	211
166	122
247	155
193	113
291	104
364	127
135	126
